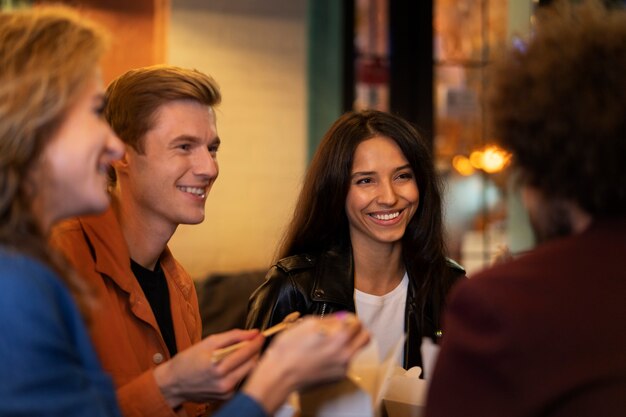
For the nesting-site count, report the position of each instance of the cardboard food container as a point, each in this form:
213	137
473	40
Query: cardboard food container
406	393
358	395
371	389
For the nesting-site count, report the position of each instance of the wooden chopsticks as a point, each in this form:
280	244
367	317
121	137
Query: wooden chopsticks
289	319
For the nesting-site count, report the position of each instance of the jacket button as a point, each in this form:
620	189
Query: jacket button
319	293
157	358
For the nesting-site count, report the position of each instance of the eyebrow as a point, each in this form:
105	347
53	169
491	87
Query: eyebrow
365	173
189	138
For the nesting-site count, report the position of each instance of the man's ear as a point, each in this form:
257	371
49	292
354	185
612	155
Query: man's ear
121	165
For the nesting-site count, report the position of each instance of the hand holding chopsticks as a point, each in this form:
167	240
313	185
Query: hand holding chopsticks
291	318
315	350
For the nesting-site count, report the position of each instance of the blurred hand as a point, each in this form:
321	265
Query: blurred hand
313	351
192	375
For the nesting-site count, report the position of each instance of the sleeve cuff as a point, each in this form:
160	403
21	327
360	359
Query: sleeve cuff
241	405
142	397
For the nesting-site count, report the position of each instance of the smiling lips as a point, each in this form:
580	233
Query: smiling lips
196	191
385	216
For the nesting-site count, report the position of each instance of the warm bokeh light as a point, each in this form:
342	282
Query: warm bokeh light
463	165
490	159
494	159
476	159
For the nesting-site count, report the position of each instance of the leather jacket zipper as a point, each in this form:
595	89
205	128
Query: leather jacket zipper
323	310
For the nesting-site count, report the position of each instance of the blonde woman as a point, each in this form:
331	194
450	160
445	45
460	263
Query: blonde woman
55	148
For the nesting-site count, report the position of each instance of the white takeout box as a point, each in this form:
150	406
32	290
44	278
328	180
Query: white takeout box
406	392
358	395
369	385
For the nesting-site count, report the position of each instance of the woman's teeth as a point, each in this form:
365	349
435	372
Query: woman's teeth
387	216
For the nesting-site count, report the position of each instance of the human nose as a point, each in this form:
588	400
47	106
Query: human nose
205	165
387	194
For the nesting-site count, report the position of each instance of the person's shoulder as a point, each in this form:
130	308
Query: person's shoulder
15	265
66	234
295	270
455	267
296	262
26	281
71	225
102	227
495	283
453	273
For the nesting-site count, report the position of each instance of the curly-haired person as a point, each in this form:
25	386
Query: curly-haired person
543	335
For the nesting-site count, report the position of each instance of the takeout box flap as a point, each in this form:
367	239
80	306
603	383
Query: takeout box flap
358	395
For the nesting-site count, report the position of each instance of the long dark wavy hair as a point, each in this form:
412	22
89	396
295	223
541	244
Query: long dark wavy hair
320	222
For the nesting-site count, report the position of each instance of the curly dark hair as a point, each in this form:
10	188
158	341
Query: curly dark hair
559	105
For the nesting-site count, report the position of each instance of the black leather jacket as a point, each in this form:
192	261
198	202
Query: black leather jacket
324	284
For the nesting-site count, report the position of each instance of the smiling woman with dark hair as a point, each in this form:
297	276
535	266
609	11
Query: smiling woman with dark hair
366	236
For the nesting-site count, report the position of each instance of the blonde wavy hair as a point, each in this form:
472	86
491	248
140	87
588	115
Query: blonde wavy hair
47	55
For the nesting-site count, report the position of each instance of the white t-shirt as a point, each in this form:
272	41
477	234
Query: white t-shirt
383	316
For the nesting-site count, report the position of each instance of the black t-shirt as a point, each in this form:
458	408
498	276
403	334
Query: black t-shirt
154	286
